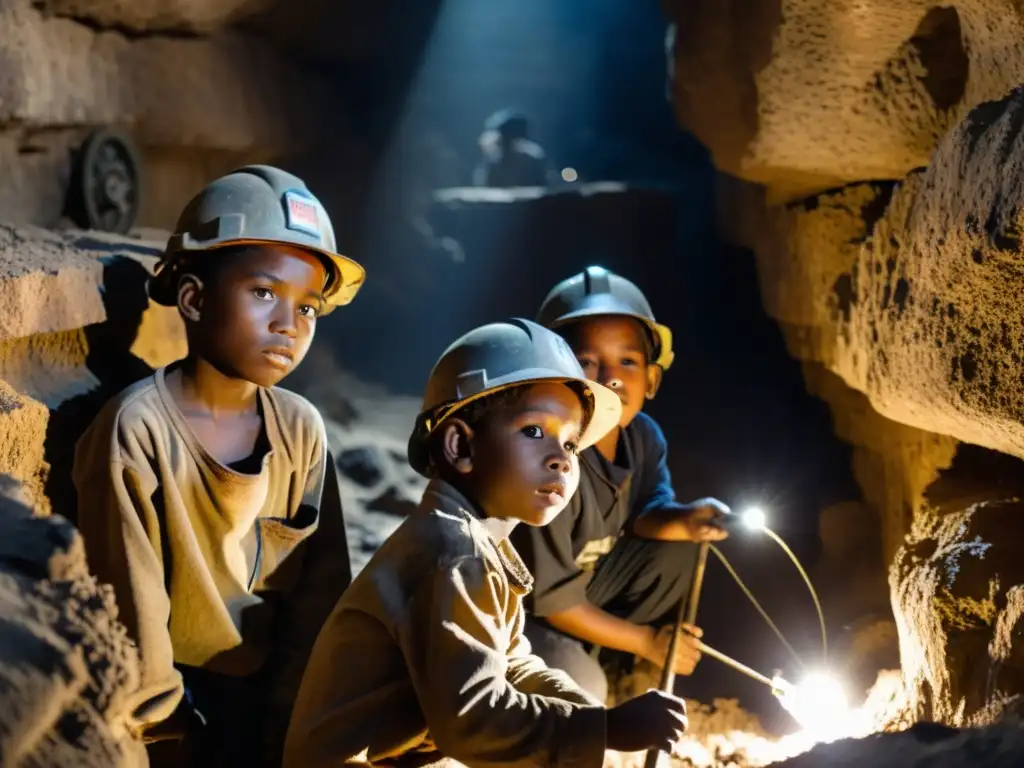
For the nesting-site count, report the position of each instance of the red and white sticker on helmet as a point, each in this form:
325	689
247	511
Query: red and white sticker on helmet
301	212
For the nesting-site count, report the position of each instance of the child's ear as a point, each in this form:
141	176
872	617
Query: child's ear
654	374
190	297
457	445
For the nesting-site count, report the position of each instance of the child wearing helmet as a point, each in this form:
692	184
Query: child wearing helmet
206	495
612	568
424	656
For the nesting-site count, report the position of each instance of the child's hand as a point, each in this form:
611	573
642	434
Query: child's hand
687	649
704	520
653	720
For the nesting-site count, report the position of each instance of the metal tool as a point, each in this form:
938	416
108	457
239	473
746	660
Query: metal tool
687	615
737	665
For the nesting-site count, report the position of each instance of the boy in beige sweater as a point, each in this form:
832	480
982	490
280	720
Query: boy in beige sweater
424	658
206	495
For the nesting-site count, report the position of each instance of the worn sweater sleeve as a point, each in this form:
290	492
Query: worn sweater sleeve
456	643
120	524
529	673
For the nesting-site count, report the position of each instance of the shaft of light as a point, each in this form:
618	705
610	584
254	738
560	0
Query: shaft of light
807	580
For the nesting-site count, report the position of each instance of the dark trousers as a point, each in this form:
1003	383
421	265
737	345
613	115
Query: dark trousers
641	581
235	733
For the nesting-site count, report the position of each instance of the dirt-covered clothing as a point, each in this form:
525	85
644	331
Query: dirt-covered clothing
214	568
424	658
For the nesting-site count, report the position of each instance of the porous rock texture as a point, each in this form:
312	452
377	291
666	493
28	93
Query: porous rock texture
77	328
67	670
958	587
933	337
196	106
885	145
806	95
807	254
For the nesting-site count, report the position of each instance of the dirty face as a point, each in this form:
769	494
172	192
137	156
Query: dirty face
613	351
523	461
253	318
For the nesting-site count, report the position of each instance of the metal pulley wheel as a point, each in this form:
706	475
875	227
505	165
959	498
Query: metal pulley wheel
106	183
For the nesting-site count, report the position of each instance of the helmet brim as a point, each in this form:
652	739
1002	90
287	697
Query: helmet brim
347	275
614	308
605	415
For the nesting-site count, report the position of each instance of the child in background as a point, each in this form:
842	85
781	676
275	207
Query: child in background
611	570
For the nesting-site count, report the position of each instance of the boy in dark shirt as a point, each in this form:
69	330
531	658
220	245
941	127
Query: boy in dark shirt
612	567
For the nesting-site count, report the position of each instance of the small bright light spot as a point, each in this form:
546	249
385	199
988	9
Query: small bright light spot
818	703
569	174
754	518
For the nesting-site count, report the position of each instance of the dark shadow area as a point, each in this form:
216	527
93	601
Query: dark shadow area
939	43
109	359
977	474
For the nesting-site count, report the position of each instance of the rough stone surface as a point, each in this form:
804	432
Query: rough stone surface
922	746
893	463
957	589
805	95
156	15
228	91
67	669
46	284
22	434
806	253
935	310
79	329
195	106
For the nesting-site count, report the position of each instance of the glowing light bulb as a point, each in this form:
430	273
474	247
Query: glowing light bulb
818	703
754	518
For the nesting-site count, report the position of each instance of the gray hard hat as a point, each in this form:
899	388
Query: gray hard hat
598	292
498	356
257	204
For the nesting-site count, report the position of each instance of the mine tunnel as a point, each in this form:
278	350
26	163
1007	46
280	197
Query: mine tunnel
820	200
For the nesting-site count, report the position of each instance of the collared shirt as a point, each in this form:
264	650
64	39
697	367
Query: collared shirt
424	657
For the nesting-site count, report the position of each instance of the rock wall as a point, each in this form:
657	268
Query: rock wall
76	328
196	105
805	95
68	670
870	155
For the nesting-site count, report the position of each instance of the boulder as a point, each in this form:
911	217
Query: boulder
934	296
68	669
958	593
806	95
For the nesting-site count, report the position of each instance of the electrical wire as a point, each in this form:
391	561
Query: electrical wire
807	580
760	609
